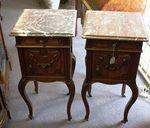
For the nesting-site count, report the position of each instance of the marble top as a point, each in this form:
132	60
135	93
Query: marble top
46	22
114	25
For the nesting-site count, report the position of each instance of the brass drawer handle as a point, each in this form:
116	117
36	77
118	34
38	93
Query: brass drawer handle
113	59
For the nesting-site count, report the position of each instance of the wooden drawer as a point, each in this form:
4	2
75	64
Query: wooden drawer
102	68
109	45
43	62
42	42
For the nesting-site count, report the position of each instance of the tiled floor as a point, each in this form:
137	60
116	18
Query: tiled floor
50	104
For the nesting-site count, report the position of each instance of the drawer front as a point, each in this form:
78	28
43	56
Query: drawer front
42	42
104	66
43	62
109	45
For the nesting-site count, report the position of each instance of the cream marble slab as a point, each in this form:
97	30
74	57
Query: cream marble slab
46	22
114	25
52	4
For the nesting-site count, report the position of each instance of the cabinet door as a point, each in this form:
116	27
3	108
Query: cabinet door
43	62
104	66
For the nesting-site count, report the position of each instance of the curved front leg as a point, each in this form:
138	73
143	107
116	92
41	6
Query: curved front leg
73	66
73	63
21	87
132	100
83	92
4	103
36	87
89	90
123	90
71	88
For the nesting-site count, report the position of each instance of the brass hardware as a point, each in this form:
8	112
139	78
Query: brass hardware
113	59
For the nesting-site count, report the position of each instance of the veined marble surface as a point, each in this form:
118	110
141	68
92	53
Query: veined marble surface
114	25
46	22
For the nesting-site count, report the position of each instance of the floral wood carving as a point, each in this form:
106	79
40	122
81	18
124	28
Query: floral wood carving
44	65
104	62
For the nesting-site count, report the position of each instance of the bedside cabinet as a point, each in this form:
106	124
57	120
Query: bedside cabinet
114	45
44	43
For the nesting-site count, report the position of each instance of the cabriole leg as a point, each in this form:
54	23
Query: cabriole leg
123	90
89	90
83	92
132	100
71	88
21	87
36	87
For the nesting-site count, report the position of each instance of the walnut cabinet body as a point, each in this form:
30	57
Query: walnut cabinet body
46	59
99	67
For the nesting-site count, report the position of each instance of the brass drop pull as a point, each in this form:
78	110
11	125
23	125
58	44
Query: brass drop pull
113	59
